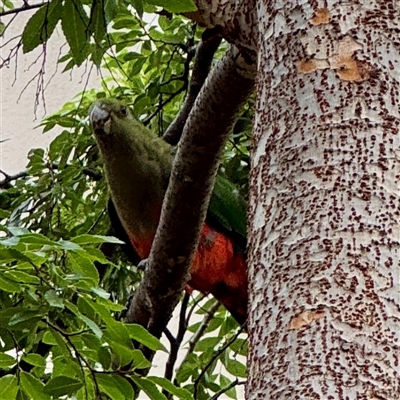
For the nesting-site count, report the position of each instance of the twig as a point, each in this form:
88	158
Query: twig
202	328
226	388
176	343
200	331
25	7
4	184
210	41
213	358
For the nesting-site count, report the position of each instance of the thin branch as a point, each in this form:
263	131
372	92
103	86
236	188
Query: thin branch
200	332
176	343
209	44
25	7
236	382
202	328
196	302
4	184
12	53
163	104
213	358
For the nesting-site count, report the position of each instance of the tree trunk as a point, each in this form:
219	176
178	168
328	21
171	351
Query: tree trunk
324	203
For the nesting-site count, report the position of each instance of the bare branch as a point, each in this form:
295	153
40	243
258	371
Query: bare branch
210	41
226	388
176	343
25	7
4	184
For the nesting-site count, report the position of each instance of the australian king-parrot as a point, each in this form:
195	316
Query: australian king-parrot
137	166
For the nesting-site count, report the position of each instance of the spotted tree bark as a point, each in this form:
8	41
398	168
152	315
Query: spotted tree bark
325	202
324	210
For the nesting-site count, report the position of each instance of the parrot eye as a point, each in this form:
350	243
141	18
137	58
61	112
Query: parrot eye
124	111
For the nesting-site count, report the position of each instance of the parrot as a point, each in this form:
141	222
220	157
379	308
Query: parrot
137	165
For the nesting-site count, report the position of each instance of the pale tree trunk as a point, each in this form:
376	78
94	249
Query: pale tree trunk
324	214
325	202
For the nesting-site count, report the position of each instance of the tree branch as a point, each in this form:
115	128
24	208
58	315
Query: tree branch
234	383
25	7
186	201
216	355
210	40
176	342
5	183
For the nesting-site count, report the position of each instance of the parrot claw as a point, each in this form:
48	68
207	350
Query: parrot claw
143	264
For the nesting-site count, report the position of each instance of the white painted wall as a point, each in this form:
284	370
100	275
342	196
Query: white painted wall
18	118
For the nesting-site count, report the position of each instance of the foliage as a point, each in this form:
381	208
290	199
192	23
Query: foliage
61	299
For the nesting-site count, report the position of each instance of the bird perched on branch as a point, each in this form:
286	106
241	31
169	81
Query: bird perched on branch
137	166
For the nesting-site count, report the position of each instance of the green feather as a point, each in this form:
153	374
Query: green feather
138	165
228	208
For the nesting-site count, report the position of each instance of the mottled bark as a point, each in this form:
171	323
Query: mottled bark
237	20
325	203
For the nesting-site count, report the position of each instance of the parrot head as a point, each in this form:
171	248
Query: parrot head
108	116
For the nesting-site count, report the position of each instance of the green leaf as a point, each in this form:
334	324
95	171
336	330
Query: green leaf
95	239
83	266
207	343
101	293
174	6
56	338
25	316
91	324
122	353
8	286
140	334
62	386
21	277
38	238
139	360
53	299
32	386
117	331
97	21
18	231
108	304
74	24
41	25
180	393
7	255
235	368
35	359
68	245
6	360
8	387
110	9
138	6
225	382
113	387
148	387
123	386
104	355
240	346
137	65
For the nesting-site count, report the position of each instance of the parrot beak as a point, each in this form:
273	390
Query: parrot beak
100	118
